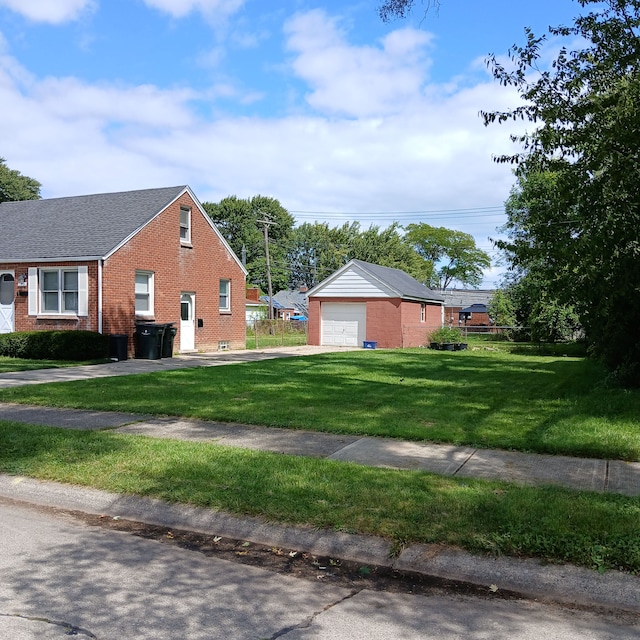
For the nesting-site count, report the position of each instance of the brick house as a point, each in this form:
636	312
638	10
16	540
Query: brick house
104	262
366	302
467	307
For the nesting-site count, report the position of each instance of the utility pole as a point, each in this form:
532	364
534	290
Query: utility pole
267	222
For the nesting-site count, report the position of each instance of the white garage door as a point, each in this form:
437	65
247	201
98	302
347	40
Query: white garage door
344	324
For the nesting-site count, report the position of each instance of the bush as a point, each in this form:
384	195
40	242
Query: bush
55	345
446	335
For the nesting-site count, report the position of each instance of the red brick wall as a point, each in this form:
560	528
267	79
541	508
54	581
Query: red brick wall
24	322
384	322
194	269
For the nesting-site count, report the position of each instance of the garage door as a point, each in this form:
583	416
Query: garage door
344	324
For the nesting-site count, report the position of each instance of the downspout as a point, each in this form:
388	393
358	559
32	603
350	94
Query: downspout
100	261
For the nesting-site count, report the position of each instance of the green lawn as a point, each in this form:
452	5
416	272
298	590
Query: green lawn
19	364
487	397
590	529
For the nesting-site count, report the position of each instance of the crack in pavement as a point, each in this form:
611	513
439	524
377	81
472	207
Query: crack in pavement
305	624
70	629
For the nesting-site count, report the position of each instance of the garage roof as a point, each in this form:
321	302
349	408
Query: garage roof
398	281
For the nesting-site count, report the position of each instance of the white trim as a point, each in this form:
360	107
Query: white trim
83	290
100	311
33	291
226	309
150	313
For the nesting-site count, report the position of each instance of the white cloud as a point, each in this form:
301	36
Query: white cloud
356	81
51	11
210	8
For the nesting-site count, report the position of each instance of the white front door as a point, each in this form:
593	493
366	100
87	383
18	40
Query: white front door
187	322
7	308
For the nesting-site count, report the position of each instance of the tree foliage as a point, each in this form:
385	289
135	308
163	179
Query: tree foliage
318	250
453	254
14	186
578	219
239	221
391	9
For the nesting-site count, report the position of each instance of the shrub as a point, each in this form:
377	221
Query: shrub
55	345
446	334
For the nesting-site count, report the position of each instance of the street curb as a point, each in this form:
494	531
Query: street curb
562	584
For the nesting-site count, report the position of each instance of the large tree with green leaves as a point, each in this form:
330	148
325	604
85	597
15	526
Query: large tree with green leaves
14	186
318	250
582	233
242	222
453	254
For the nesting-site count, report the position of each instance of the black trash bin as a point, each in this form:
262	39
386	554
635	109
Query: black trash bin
167	340
148	340
118	346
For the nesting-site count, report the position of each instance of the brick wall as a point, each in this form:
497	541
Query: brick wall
177	268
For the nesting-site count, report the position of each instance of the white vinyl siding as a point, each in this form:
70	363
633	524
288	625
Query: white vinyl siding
353	283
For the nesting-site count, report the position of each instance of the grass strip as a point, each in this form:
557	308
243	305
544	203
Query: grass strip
7	365
483	398
589	529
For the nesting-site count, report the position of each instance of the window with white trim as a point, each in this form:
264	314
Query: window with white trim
144	293
59	291
185	225
225	295
423	312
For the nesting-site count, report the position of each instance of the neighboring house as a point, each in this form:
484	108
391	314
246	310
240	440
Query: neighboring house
366	302
104	262
292	302
467	307
256	309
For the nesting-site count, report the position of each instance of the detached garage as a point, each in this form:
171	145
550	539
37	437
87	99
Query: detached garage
366	302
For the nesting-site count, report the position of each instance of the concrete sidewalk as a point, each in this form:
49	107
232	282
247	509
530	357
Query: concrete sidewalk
584	474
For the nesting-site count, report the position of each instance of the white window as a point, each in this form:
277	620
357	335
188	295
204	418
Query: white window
423	312
144	293
58	291
225	295
185	225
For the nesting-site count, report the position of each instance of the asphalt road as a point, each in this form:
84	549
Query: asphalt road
61	577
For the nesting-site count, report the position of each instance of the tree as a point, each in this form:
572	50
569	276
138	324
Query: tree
240	222
579	174
14	186
318	250
390	9
453	254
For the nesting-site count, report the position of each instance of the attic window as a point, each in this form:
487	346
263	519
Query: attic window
185	225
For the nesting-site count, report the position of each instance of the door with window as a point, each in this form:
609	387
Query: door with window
7	307
187	322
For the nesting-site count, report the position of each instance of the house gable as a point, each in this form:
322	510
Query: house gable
353	281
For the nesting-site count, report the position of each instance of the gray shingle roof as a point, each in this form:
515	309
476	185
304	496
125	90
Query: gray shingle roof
79	226
467	297
402	282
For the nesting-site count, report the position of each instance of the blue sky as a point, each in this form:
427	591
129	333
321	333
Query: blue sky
314	102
